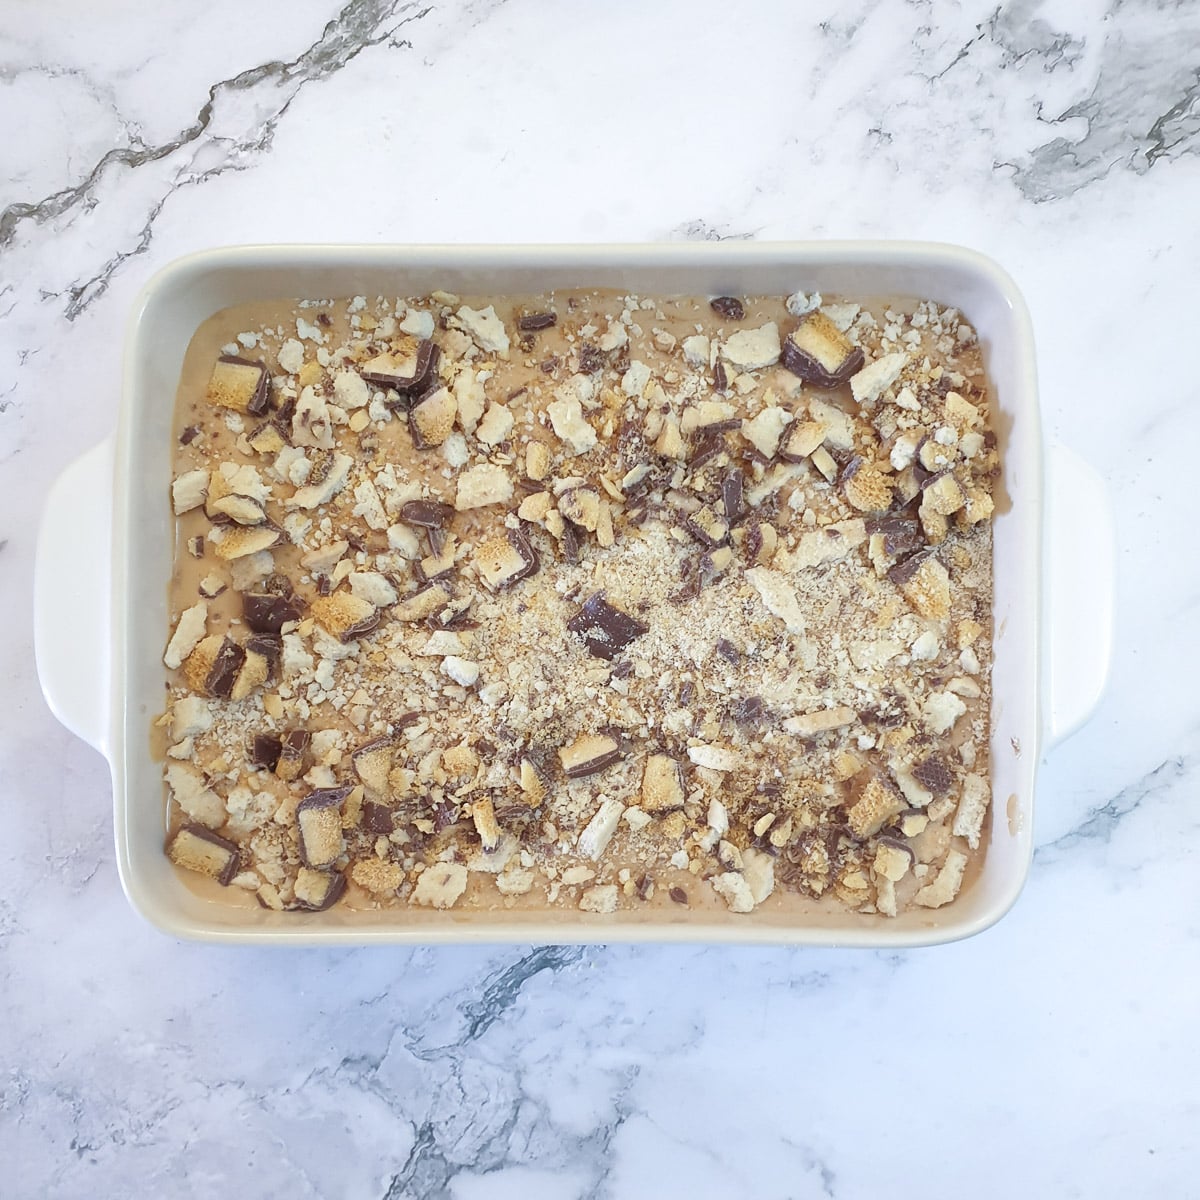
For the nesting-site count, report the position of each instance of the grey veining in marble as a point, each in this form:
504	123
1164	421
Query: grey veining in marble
1054	1055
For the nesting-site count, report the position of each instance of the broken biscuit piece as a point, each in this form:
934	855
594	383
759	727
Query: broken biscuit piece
803	439
373	763
876	805
662	784
239	541
483	815
432	418
345	615
483	485
422	604
189	491
319	824
866	487
378	876
440	885
187	636
707	528
239	384
927	589
292	754
589	754
819	353
752	349
316	891
260	662
593	841
946	884
198	849
533	781
406	371
241	510
505	559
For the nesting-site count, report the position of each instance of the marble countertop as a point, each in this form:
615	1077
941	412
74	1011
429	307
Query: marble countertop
1054	1055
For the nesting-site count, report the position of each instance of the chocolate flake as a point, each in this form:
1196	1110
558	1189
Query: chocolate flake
428	514
265	750
901	535
570	542
283	417
906	568
591	359
378	818
522	546
678	895
224	671
747	711
269	647
606	630
268	613
729	307
934	776
728	651
732	487
707	445
720	377
291	755
455	616
754	541
535	322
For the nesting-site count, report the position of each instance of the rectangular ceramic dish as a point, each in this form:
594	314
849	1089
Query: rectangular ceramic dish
108	529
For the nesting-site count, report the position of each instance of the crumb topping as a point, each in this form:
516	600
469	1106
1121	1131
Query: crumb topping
585	599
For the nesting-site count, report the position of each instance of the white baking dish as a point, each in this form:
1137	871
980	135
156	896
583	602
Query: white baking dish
107	534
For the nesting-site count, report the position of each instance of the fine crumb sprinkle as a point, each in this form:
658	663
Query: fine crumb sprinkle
581	600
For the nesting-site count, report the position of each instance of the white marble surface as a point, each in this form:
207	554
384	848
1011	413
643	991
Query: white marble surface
1055	1055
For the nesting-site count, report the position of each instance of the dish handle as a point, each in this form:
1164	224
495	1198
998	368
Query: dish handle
1080	573
72	596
